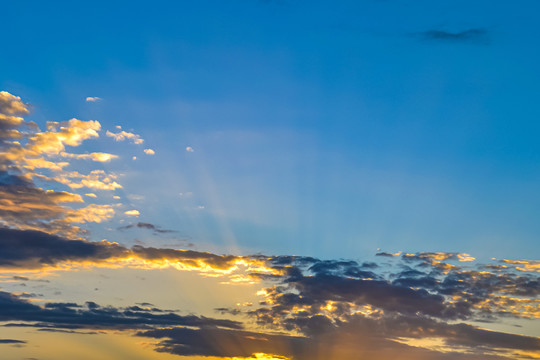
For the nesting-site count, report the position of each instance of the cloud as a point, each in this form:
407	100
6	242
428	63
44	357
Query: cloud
25	206
132	212
149	152
29	249
12	105
29	155
343	343
189	149
93	316
144	225
93	99
95	156
12	341
123	135
310	308
475	35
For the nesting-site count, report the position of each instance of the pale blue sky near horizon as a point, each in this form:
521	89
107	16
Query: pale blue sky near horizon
317	129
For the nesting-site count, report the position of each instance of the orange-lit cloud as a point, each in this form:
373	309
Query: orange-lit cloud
28	154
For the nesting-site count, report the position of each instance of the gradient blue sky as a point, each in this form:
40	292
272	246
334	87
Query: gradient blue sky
318	129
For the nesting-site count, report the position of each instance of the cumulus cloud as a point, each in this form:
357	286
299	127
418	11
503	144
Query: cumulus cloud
25	206
189	149
12	105
132	212
149	152
93	99
29	155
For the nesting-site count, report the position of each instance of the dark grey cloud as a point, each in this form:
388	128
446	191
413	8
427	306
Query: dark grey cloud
20	278
474	35
12	341
35	249
410	296
148	226
31	249
336	344
93	316
24	205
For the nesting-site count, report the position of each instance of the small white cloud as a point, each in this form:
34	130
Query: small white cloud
118	127
134	158
123	135
91	195
200	207
149	152
186	194
116	197
132	212
93	99
135	197
190	149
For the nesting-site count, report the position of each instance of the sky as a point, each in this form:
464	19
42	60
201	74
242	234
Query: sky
270	179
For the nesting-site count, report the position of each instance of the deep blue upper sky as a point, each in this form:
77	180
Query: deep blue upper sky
319	128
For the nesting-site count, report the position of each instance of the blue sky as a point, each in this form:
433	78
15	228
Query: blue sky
318	129
269	180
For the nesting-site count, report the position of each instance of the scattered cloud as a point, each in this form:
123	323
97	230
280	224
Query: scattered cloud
123	135
149	152
132	212
93	99
189	149
30	156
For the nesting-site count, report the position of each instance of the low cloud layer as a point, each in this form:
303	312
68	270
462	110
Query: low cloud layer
337	307
93	316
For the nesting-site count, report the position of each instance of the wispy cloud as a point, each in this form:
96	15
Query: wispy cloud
145	225
93	99
474	35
